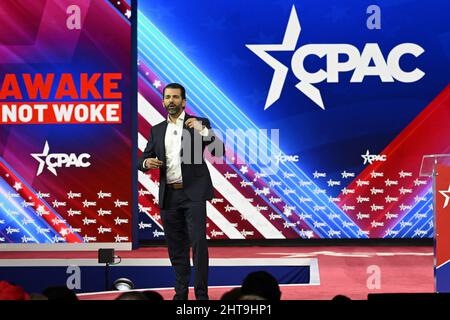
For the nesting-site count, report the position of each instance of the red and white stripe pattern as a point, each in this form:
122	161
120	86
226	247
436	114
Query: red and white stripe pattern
250	223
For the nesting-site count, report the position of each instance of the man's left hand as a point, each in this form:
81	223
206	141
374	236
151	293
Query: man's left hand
194	123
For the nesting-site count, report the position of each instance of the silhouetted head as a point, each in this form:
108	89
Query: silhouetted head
341	298
60	293
251	297
233	294
153	295
132	295
263	284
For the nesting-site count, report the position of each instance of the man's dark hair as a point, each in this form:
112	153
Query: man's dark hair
175	86
263	284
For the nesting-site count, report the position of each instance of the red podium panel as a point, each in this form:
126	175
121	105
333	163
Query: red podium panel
442	244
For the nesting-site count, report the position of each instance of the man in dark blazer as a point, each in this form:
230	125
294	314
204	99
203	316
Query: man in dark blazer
176	148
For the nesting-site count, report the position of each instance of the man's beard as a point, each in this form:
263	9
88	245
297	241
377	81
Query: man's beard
173	109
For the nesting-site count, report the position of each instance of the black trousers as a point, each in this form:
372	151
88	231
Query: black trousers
184	223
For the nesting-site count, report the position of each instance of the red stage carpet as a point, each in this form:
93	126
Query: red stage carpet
341	270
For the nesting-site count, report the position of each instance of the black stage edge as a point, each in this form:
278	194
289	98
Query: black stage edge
304	242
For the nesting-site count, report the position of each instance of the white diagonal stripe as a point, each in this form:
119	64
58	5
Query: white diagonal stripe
153	188
220	221
244	207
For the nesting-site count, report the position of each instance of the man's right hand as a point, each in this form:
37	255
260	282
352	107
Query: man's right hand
152	163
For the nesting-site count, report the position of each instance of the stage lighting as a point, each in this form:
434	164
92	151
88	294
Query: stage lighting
123	284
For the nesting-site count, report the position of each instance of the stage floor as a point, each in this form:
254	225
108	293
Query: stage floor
354	271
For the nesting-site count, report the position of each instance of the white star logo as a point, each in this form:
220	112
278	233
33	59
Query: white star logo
157	84
128	13
141	208
142	225
244	169
44	154
156	234
446	194
17	186
366	158
280	71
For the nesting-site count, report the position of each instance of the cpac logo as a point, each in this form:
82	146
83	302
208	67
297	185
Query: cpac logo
230	175
229	208
303	183
246	183
363	233
286	158
261	208
333	199
259	175
289	224
332	183
102	230
59	160
390	216
360	183
215	233
265	191
306	233
347	191
274	200
370	158
333	233
360	62
87	238
274	183
216	200
304	216
347	208
274	216
362	199
318	224
319	191
246	233
119	221
73	212
346	224
333	216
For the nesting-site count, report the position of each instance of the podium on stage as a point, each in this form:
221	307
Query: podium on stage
437	166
